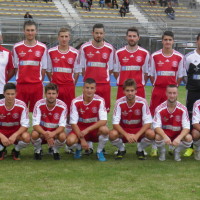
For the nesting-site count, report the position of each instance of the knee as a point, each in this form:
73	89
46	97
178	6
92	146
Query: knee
103	130
113	135
150	134
188	138
35	135
195	135
62	137
71	139
158	137
26	137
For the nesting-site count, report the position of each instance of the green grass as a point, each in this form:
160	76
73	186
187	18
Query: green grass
88	179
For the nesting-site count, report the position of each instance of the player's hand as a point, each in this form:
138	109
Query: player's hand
5	141
167	140
176	142
12	138
47	135
84	132
131	138
84	144
50	142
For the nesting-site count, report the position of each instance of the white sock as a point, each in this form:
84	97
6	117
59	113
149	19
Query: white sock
160	145
197	144
37	145
119	144
145	142
183	145
1	147
21	145
102	141
57	145
90	144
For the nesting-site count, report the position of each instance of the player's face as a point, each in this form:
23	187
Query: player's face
172	94
130	93
64	38
167	42
98	34
10	95
132	38
51	96
30	32
89	90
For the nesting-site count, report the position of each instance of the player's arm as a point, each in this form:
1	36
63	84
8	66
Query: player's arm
146	77
178	139
111	62
82	61
49	67
117	66
179	80
157	124
181	71
44	63
49	75
15	61
10	68
19	132
145	68
4	140
43	74
152	70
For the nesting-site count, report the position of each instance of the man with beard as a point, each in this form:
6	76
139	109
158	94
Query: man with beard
131	62
49	121
131	121
172	125
96	60
30	60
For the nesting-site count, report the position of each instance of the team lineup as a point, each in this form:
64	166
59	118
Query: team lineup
60	118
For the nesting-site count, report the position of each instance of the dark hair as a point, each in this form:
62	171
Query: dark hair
98	26
9	86
30	23
129	82
172	86
63	30
198	36
51	86
132	29
89	81
168	33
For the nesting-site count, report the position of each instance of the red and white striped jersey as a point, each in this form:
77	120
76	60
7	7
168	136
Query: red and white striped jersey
48	119
84	115
97	61
11	120
131	65
196	113
171	122
131	117
166	69
63	65
6	64
30	60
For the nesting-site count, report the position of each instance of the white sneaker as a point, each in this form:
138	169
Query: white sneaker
177	156
197	155
162	156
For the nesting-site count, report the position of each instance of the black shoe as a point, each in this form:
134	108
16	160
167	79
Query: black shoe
15	154
140	155
38	156
120	155
56	156
89	151
3	153
50	151
104	152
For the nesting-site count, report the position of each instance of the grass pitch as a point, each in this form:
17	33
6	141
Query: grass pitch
88	179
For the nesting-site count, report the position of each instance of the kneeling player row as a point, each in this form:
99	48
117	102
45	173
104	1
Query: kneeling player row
88	118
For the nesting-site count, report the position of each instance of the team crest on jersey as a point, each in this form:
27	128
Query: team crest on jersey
94	109
139	58
125	59
90	55
137	112
178	118
56	60
15	115
37	53
174	64
2	116
56	116
70	60
104	55
22	54
160	63
124	113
